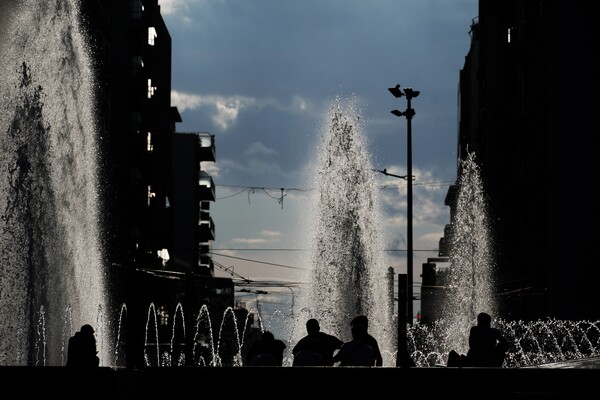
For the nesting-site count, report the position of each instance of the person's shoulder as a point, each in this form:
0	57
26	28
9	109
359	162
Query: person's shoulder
300	342
371	340
306	339
328	336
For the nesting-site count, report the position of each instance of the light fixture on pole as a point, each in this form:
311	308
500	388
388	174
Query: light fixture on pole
410	94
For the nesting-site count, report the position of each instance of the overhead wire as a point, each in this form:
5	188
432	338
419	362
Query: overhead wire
255	261
284	191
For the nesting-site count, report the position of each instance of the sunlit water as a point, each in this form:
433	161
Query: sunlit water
51	279
471	274
345	261
347	272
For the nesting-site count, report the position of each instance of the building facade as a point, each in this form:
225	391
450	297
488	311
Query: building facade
529	90
193	192
157	228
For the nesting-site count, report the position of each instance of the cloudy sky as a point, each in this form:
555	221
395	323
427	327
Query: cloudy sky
260	74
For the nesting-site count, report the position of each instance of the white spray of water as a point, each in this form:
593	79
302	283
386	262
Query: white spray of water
471	274
49	236
347	274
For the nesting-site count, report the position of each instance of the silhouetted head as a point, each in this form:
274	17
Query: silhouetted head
312	326
359	331
86	329
267	336
484	319
360	320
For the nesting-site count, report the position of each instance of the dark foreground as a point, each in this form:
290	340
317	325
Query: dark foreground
568	381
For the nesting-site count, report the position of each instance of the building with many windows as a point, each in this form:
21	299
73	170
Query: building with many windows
529	90
157	228
193	192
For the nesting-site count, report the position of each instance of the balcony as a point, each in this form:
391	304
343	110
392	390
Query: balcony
204	217
206	230
206	146
204	248
206	187
206	261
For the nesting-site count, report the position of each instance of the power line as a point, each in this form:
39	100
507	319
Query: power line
272	249
256	261
284	191
252	189
231	271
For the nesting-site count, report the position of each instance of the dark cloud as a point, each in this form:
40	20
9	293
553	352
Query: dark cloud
286	60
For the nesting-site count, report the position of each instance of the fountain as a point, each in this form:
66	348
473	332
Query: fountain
345	251
49	243
471	274
51	281
470	282
348	275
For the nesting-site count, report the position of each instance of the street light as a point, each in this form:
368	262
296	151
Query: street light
409	113
384	171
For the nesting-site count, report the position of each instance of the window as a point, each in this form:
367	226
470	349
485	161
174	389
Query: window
152	36
151	195
149	146
151	89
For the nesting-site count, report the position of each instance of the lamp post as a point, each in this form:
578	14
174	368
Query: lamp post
408	113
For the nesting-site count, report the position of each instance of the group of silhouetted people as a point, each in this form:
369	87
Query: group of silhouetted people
487	348
318	348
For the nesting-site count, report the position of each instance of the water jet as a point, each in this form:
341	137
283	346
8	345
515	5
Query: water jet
52	280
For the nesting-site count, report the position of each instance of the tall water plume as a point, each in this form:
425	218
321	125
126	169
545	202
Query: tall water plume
347	273
471	277
51	279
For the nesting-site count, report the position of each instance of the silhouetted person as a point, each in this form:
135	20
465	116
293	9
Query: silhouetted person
371	341
487	346
456	360
82	348
320	342
308	355
357	352
266	351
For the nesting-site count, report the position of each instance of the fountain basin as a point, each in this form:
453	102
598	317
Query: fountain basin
562	380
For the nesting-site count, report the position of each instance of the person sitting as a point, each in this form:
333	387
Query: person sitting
357	352
487	346
320	342
81	350
266	351
308	355
371	341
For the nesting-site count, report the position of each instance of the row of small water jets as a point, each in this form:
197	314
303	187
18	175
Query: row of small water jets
530	343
